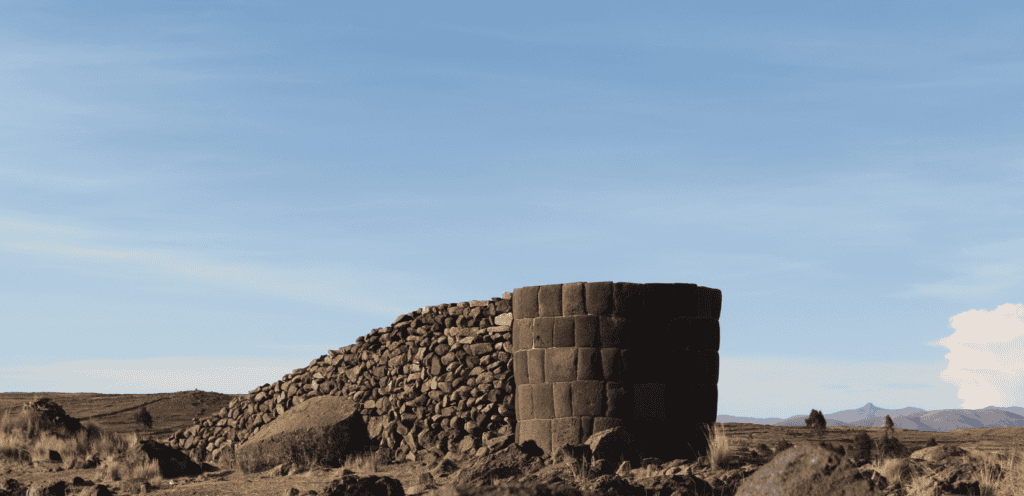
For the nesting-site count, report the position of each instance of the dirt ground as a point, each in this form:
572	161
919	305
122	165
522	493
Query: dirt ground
231	482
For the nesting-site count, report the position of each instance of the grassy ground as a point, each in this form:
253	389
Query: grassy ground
24	437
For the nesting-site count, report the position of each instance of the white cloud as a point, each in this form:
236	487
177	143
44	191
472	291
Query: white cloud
986	356
228	375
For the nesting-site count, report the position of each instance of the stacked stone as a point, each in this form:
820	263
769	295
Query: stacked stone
438	378
592	356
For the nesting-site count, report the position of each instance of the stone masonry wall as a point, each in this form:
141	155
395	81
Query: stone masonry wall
439	377
588	356
592	356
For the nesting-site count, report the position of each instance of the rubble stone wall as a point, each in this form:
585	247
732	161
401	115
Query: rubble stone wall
592	356
443	378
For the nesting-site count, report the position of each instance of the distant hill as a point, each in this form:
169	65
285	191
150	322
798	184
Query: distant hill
905	418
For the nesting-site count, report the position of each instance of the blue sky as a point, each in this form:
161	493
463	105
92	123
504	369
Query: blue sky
211	194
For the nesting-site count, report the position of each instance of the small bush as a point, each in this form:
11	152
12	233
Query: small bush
763	450
890	447
782	445
816	422
143	417
862	446
931	442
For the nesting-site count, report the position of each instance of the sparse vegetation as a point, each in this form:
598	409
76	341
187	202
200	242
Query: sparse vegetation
365	462
24	436
931	442
143	417
718	446
816	422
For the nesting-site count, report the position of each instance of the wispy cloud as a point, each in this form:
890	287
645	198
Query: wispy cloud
986	356
68	243
228	375
982	270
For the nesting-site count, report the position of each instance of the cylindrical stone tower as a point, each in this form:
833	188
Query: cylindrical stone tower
592	356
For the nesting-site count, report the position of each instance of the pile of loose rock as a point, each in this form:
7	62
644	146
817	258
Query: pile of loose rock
438	380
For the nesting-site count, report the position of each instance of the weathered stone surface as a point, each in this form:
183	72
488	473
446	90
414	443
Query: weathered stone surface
172	462
614	445
807	470
328	428
937	453
370	485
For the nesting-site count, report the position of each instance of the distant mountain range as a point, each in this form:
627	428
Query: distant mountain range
905	418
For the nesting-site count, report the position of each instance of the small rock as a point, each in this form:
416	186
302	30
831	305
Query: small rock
624	469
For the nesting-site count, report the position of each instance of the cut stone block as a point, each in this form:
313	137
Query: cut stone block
543	330
573	299
615	331
549	300
524	402
560	364
524	303
588	398
521	366
535	358
628	300
587	330
538	431
611	364
649	400
599	298
565	431
684	333
605	423
620	400
543	401
562	395
522	334
564	333
589	364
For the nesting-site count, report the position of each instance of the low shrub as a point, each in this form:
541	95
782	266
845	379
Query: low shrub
862	446
782	445
931	442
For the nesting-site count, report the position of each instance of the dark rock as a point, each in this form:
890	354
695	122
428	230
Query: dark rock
678	484
534	489
327	428
53	489
97	490
613	485
807	470
614	445
371	485
511	462
173	463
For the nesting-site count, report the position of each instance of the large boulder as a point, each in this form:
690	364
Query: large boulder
172	463
808	470
614	445
937	453
326	429
51	416
369	485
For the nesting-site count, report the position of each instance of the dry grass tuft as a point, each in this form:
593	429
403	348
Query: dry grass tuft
120	456
579	470
718	446
362	463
